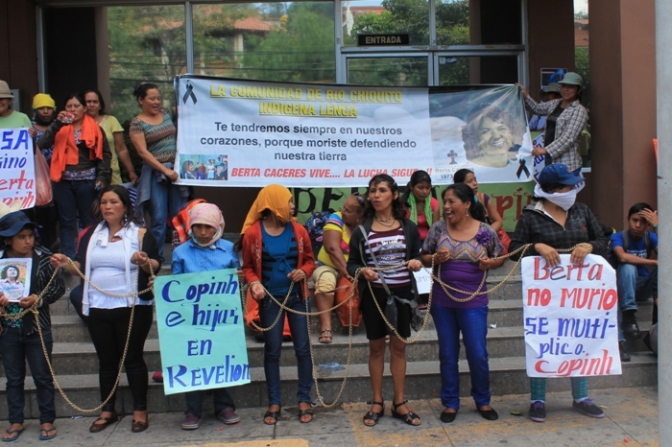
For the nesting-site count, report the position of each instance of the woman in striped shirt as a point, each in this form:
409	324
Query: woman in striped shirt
387	238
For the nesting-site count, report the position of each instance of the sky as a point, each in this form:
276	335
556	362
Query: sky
580	5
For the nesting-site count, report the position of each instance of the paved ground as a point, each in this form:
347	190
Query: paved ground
631	420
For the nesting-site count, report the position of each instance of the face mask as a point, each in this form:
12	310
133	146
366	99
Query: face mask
564	200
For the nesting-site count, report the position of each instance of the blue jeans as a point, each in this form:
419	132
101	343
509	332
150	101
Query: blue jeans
195	400
16	349
268	312
73	198
166	201
633	288
473	323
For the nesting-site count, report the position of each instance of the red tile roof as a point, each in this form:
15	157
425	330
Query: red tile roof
251	24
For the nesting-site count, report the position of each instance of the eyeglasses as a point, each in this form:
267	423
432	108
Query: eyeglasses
360	198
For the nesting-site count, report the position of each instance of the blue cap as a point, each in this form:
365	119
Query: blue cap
558	173
11	224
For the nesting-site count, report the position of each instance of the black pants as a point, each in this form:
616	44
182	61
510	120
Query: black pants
108	329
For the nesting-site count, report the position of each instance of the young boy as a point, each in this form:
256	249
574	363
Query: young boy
205	251
635	250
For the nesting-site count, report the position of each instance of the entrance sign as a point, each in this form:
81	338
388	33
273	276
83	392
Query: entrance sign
17	168
201	332
382	40
252	133
570	318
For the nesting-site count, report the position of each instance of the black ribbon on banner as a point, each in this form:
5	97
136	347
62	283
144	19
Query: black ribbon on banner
189	93
522	168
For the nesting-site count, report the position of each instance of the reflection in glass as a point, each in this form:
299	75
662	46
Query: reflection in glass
146	44
478	70
487	22
384	17
291	42
388	71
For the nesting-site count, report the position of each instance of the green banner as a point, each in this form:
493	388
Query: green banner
510	199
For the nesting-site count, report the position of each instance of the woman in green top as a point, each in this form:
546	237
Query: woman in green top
95	108
9	118
152	133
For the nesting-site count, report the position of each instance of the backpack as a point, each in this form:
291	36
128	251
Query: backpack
626	244
315	228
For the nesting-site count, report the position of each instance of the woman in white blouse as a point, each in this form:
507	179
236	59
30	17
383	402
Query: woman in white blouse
118	257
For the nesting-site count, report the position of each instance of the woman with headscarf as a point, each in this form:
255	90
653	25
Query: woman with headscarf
277	260
556	222
206	251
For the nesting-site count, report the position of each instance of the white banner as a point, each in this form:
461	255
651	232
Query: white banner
17	168
251	133
570	316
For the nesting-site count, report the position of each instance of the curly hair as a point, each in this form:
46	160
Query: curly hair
398	209
476	116
7	267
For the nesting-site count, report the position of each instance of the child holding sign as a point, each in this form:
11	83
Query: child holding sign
205	251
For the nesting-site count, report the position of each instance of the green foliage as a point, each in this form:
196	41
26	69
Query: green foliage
301	51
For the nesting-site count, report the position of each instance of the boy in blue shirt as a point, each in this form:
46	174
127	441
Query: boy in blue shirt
205	251
635	249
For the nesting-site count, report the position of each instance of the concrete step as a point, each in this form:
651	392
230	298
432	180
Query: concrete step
502	313
80	357
507	376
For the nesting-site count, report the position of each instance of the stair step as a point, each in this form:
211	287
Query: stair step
507	376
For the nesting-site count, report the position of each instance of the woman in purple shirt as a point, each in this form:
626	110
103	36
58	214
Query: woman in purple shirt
462	246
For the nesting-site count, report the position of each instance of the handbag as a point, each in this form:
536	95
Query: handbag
391	312
504	239
343	288
44	194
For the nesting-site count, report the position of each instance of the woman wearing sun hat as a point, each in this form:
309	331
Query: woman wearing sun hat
10	118
566	119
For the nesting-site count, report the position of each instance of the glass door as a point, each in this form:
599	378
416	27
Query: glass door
389	70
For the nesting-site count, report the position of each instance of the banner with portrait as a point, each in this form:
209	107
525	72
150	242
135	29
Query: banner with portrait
254	133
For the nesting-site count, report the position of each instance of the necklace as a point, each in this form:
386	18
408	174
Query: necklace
389	223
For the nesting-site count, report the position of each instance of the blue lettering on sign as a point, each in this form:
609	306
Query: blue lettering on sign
228	372
174	318
165	292
13	140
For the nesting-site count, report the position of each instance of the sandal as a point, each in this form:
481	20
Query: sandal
95	428
45	433
275	415
373	415
325	336
409	417
307	412
13	434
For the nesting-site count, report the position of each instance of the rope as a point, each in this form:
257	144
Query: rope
34	309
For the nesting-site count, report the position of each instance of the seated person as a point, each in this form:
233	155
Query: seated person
635	249
333	258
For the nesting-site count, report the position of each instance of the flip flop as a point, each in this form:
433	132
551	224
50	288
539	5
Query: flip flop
44	433
16	434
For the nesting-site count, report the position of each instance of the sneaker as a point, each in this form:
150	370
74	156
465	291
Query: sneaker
228	416
191	422
587	407
623	350
538	411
